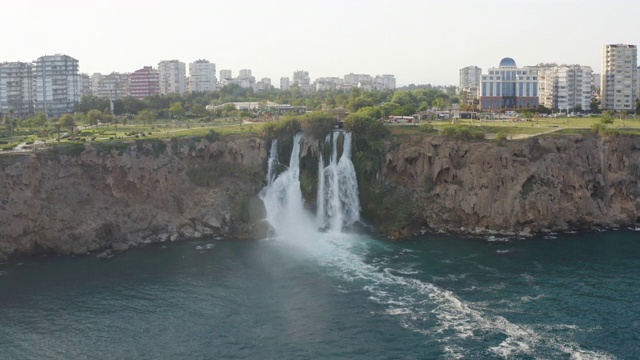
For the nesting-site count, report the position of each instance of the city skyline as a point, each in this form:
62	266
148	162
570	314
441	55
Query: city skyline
419	43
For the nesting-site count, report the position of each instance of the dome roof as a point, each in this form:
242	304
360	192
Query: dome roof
507	62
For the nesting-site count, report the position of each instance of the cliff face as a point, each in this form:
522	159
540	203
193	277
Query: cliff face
571	182
120	195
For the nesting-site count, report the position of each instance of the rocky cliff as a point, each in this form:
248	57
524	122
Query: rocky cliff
81	198
543	183
113	195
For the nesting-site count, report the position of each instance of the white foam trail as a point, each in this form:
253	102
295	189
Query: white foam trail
420	306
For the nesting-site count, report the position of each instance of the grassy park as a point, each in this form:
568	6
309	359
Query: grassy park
520	128
161	129
512	129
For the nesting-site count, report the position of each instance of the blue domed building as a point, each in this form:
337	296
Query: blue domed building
509	87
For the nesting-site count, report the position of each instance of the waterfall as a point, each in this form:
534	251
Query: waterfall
337	196
273	162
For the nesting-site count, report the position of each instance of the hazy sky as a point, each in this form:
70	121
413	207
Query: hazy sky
419	41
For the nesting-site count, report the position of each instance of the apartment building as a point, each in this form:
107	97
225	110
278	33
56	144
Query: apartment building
509	87
172	76
144	82
85	85
384	82
114	86
16	89
302	79
284	83
619	81
202	76
565	87
470	77
55	84
226	75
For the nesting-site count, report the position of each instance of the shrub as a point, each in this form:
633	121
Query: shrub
317	124
463	132
428	128
284	128
501	136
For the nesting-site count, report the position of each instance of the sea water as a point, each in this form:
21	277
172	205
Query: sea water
343	296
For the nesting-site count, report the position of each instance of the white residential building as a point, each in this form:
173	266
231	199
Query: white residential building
470	77
225	76
95	81
114	86
356	80
263	85
565	87
302	79
384	82
202	76
173	77
619	83
85	85
284	83
55	85
327	83
16	89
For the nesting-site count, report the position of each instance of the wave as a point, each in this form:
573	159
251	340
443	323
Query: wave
427	309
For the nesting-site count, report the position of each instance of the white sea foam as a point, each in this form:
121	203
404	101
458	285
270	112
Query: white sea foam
419	306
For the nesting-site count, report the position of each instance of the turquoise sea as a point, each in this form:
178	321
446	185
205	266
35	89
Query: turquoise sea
333	296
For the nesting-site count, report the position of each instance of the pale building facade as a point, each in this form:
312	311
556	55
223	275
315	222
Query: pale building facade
202	76
144	82
114	86
565	87
55	85
384	82
172	76
619	81
85	85
16	89
470	77
509	87
284	83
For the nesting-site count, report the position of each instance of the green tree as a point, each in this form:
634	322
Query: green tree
40	120
199	110
94	116
607	118
177	110
146	116
67	121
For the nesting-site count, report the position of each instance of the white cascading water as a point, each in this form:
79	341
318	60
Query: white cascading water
273	162
283	198
338	204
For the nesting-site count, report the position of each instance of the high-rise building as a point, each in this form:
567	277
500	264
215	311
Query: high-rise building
355	80
173	77
55	85
202	76
509	87
301	78
384	82
284	83
565	87
470	82
619	81
95	81
16	89
225	76
114	86
85	85
144	82
263	85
